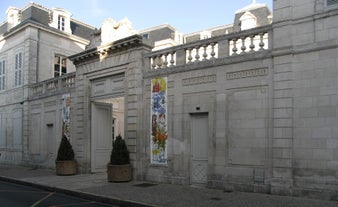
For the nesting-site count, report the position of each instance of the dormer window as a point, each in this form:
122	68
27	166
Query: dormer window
205	35
60	19
247	21
146	36
13	17
61	23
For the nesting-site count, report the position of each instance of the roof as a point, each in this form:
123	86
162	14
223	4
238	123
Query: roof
252	6
41	15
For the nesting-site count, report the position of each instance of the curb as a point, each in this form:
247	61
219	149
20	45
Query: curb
83	195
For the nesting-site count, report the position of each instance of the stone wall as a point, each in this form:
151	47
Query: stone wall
305	88
271	109
237	98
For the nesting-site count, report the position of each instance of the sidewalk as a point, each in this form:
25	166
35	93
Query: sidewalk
142	193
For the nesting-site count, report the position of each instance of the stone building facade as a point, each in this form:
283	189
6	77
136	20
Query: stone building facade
34	45
252	109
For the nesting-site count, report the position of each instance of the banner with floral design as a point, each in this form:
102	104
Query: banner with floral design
159	133
66	115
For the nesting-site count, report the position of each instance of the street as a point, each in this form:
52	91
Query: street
14	195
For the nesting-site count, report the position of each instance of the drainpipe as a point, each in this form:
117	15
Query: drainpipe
37	58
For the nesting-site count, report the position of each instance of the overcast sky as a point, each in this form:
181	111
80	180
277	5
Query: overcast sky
185	15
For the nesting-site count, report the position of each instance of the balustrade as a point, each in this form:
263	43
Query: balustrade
248	44
53	85
207	51
68	81
163	60
240	43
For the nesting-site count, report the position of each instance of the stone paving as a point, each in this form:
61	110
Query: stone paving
141	193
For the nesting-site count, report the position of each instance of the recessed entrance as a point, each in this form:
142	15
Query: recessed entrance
107	121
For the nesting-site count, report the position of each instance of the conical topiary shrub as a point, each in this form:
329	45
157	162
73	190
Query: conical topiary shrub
65	151
65	163
119	169
120	153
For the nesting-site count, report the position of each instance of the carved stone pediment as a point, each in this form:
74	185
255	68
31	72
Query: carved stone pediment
112	30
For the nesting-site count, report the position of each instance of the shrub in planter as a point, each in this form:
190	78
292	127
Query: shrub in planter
65	163
119	168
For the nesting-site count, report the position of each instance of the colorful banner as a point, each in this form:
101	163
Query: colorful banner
66	115
159	133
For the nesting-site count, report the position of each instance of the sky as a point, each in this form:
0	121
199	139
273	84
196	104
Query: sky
185	15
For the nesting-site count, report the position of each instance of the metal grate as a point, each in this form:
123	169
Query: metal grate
144	185
215	199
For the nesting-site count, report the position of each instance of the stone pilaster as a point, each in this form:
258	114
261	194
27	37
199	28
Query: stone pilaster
282	137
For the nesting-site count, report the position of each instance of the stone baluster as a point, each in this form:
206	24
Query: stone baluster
212	50
197	56
66	82
34	90
153	64
159	61
261	43
73	81
58	84
234	49
243	48
51	86
165	63
205	55
48	86
252	45
172	61
69	81
189	55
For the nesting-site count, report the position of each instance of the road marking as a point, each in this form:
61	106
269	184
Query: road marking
75	204
42	199
20	191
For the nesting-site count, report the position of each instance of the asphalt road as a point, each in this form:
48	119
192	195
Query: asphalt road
14	195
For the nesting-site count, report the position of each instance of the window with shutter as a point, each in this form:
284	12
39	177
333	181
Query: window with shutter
2	75
18	69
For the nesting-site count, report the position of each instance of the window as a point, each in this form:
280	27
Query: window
247	21
13	17
60	19
61	23
2	75
2	131
146	36
60	65
18	69
331	2
205	35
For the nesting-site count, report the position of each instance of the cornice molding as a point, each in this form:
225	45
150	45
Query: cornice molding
106	50
32	23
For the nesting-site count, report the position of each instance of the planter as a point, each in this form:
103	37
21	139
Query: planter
119	173
66	167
